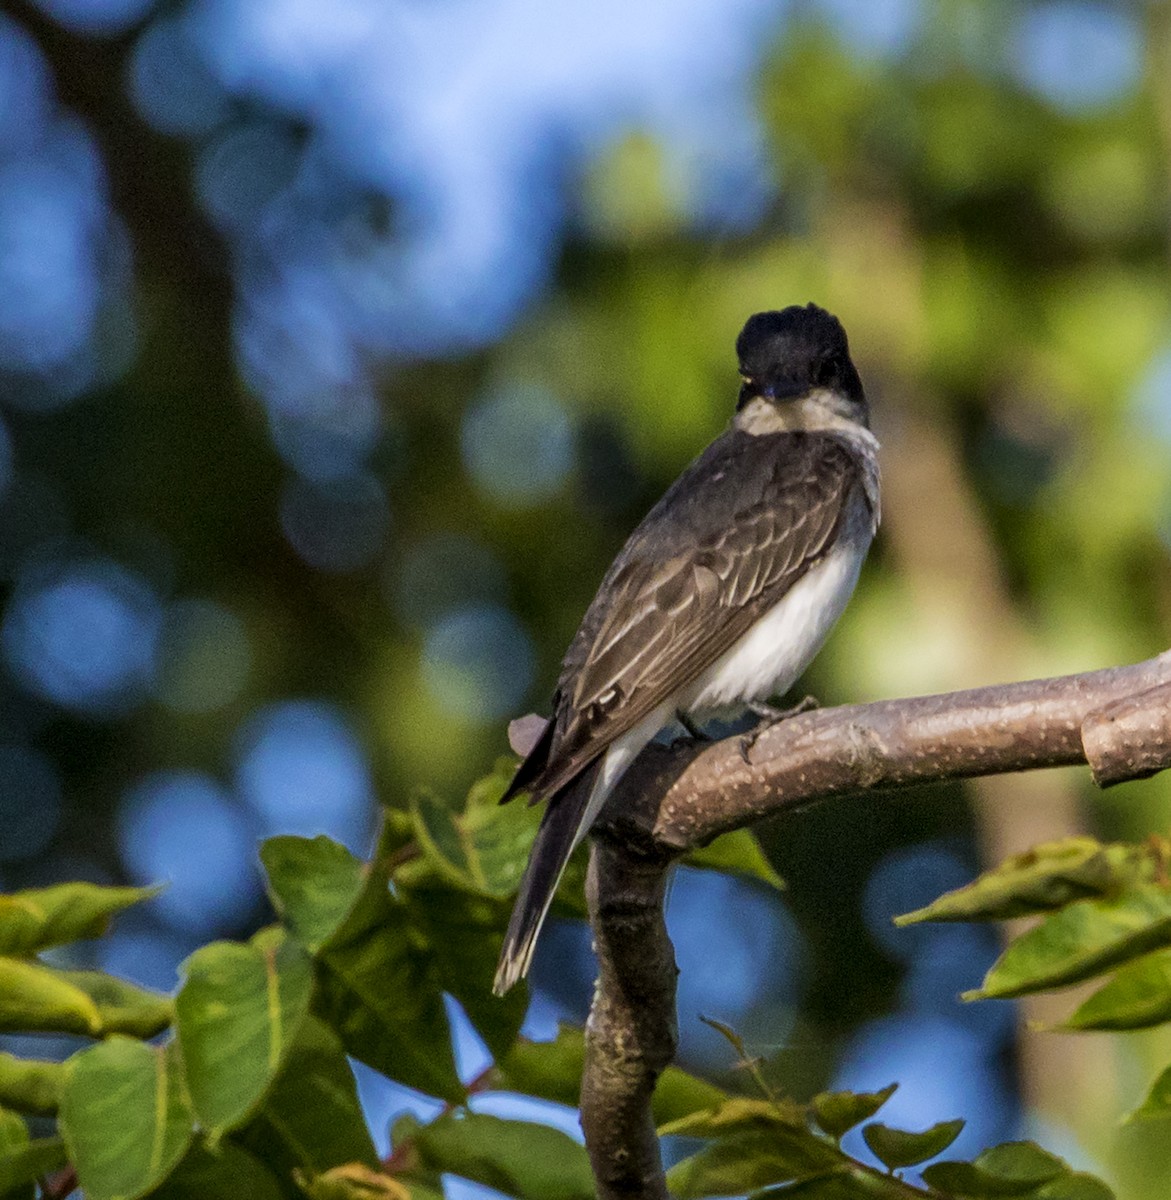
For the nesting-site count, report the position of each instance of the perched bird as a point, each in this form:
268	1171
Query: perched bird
720	597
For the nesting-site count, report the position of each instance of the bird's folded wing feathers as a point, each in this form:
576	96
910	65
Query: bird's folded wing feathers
740	527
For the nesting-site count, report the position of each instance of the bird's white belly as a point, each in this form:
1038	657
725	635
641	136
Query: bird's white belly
767	660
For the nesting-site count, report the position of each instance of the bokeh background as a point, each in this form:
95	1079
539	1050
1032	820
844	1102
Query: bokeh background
341	344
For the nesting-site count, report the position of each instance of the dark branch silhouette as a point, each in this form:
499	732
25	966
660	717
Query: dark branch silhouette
677	798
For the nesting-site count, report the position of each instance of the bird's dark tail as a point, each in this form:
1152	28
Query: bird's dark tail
556	839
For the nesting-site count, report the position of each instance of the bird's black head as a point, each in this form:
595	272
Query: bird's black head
789	354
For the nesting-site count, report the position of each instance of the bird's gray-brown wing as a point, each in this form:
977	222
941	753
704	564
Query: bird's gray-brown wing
739	528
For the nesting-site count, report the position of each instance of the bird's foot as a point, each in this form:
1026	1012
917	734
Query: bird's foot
769	716
693	731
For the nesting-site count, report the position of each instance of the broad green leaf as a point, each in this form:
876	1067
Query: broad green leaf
740	1113
737	853
311	1117
23	1160
838	1112
35	919
1081	941
30	1085
838	1185
237	1015
898	1148
377	987
758	1143
1157	1102
313	883
123	1007
502	835
1010	1169
531	1162
226	1173
751	1159
444	843
552	1071
351	1182
125	1117
1047	877
464	933
1076	1186
1138	997
39	999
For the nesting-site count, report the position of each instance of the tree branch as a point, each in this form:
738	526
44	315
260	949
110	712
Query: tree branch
677	798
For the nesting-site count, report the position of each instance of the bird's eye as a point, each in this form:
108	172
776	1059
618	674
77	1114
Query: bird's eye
826	372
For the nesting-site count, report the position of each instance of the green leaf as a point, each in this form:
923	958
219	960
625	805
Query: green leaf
897	1148
1045	878
741	1113
552	1071
237	1015
311	1118
30	1085
1138	997
758	1143
838	1112
737	853
1010	1169
125	1117
313	884
36	998
352	1182
23	1160
377	987
1075	1186
1157	1102
1081	941
531	1162
35	919
226	1173
42	999
464	934
123	1007
748	1160
838	1185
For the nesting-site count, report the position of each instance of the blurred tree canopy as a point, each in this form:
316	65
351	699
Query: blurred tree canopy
341	346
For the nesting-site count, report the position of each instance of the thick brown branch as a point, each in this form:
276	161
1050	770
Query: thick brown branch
679	797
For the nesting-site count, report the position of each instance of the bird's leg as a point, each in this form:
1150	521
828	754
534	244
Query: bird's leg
693	731
770	716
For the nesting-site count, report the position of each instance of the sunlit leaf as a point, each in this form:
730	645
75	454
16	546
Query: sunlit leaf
24	1159
237	1014
838	1112
37	998
737	853
898	1148
531	1162
353	1181
1010	1169
1138	997
1042	879
1082	941
68	912
311	1117
125	1117
377	987
313	884
30	1085
123	1007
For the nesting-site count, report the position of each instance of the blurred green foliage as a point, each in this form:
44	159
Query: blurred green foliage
1002	267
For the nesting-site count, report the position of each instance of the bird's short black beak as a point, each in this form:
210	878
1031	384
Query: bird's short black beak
776	391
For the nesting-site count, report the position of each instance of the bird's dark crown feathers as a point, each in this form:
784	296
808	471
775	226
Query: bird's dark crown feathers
787	352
